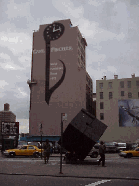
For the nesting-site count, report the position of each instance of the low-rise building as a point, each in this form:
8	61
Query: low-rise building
117	105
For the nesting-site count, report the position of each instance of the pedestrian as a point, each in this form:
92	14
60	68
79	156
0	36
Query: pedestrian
102	149
46	148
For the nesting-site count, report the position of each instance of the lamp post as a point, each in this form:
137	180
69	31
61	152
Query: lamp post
61	143
63	118
41	138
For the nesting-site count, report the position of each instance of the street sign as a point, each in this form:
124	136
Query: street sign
64	117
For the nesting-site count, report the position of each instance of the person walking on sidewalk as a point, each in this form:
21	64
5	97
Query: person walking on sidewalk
102	149
46	148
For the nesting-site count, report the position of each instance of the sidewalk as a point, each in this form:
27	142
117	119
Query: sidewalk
88	169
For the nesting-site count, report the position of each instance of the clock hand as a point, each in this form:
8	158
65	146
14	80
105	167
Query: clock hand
55	30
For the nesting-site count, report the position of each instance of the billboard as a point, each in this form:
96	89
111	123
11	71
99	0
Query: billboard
128	113
10	128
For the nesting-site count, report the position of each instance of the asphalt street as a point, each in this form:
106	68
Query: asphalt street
119	171
25	180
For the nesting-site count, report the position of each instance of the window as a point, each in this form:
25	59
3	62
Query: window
101	105
122	84
122	93
110	95
129	95
100	85
110	84
24	147
137	83
101	116
129	84
101	95
31	147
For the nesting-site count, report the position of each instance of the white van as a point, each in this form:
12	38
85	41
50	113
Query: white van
121	147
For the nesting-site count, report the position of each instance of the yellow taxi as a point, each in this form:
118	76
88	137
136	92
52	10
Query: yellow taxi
130	153
25	150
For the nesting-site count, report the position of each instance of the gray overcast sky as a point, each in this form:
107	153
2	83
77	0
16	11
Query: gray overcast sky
111	28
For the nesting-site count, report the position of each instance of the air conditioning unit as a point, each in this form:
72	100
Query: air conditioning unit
28	81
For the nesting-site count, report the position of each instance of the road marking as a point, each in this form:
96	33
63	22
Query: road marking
97	183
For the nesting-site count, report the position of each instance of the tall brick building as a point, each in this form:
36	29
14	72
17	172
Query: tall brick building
59	81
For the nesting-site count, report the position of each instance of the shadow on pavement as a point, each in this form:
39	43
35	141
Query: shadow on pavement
85	162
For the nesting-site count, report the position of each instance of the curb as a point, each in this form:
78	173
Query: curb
70	176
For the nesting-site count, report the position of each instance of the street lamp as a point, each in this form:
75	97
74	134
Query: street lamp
41	138
63	118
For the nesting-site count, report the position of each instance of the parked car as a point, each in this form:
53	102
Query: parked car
134	145
111	146
121	147
94	151
25	150
130	153
56	148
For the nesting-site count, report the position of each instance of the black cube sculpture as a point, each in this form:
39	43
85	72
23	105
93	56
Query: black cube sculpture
82	133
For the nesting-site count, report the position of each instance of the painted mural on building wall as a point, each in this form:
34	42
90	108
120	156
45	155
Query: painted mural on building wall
58	86
128	113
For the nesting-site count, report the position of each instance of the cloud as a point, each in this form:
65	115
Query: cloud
99	2
25	60
112	69
68	8
4	56
23	125
15	10
95	2
10	66
22	93
3	83
16	42
91	30
94	57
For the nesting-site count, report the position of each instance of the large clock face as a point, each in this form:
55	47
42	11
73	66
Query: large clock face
53	31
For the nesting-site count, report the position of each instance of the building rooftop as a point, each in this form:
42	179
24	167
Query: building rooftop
116	77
